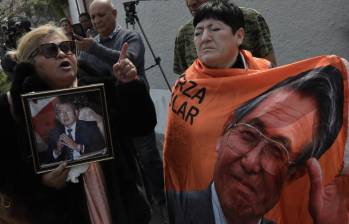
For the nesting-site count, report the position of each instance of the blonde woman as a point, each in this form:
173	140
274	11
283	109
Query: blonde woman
109	192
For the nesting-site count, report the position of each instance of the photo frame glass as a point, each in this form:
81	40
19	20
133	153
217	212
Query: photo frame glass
68	125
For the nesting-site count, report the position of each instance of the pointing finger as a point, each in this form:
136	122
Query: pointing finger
123	51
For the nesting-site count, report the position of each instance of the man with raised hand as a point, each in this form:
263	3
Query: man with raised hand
102	52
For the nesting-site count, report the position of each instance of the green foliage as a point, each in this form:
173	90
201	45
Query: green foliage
5	84
35	10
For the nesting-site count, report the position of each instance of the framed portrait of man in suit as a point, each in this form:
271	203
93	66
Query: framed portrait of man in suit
68	125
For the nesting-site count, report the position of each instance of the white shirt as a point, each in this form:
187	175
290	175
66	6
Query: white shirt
73	127
219	217
76	154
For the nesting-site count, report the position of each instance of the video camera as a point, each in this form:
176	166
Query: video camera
13	29
130	9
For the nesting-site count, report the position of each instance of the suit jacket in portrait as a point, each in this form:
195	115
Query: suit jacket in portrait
87	133
193	208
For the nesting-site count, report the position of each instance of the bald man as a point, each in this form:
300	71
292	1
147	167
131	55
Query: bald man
102	52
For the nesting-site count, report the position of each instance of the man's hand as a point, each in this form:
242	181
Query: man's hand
83	44
124	70
67	141
58	150
56	178
325	204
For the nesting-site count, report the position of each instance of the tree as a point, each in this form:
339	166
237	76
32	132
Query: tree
48	10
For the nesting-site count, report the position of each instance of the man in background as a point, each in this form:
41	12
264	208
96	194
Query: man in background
102	52
67	27
85	21
257	38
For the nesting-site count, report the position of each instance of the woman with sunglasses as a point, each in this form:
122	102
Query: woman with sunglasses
46	61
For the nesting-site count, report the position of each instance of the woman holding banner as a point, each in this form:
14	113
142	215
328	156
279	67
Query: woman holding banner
203	99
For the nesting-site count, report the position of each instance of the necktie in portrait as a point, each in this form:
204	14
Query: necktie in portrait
69	152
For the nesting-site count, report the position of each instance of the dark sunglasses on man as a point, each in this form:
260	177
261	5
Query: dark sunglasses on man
50	50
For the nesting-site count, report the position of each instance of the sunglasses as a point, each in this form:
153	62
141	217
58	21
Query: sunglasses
243	138
50	50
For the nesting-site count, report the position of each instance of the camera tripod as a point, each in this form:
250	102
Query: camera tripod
132	18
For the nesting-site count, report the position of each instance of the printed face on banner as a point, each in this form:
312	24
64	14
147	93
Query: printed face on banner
261	145
254	154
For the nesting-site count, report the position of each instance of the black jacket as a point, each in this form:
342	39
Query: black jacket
193	207
87	133
131	113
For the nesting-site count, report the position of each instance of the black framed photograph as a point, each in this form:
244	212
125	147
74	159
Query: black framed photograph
68	125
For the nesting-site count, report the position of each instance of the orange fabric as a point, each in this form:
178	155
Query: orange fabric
201	102
97	201
343	183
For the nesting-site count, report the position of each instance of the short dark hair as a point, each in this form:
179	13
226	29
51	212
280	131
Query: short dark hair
222	10
84	14
66	100
325	86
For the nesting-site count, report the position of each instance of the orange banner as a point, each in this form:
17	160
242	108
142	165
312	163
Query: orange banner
203	100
